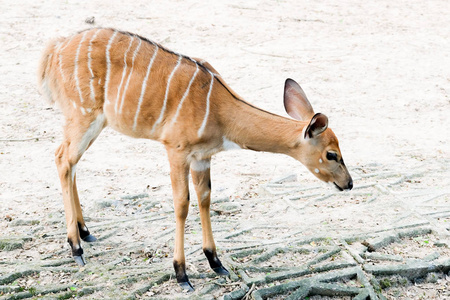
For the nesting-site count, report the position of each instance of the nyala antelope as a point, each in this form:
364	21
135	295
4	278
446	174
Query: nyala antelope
104	77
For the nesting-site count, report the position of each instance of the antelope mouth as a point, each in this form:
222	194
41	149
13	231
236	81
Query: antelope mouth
338	187
348	187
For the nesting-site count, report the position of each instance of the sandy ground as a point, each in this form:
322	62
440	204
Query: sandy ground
379	70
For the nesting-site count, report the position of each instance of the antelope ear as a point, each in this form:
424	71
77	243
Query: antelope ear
318	124
295	101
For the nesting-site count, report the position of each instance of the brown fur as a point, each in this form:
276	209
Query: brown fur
84	74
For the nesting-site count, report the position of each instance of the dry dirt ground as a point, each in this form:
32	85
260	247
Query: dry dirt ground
380	70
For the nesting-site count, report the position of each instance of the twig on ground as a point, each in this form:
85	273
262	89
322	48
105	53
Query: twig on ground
228	284
224	211
36	138
247	295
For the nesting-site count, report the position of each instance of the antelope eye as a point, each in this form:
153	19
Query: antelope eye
332	156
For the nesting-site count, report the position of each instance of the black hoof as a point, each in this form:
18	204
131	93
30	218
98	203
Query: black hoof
90	238
77	253
186	286
215	263
221	271
80	260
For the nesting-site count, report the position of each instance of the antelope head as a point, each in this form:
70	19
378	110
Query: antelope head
318	146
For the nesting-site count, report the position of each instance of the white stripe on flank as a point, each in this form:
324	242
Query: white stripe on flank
124	72
144	85
77	80
91	79
129	75
60	59
205	119
202	62
186	93
108	66
163	109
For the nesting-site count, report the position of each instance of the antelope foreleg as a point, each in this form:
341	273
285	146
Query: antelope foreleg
201	177
179	175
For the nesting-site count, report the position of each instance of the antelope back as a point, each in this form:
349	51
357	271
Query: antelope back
141	87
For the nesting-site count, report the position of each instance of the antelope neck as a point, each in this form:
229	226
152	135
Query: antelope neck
255	129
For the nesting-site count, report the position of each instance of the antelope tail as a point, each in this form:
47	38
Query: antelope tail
44	80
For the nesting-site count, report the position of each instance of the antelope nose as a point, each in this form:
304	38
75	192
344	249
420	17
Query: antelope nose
350	184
